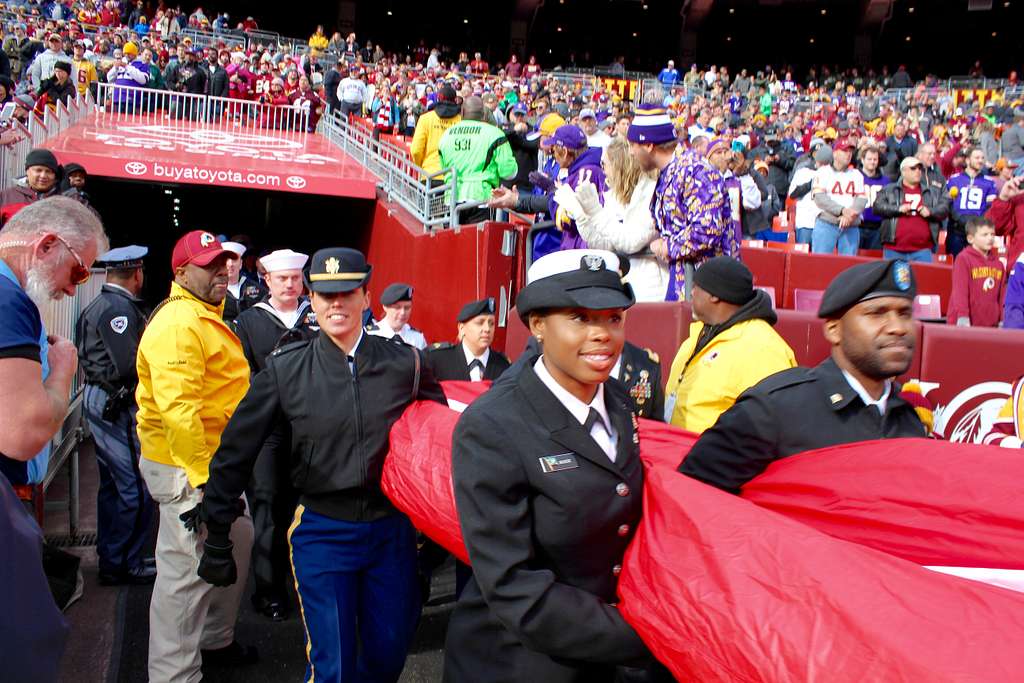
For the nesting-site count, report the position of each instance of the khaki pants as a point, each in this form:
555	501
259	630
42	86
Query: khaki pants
187	614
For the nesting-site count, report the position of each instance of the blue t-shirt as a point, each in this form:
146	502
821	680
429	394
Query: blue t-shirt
22	335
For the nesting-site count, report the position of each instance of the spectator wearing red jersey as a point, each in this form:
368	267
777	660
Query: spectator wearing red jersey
979	279
479	66
912	213
306	99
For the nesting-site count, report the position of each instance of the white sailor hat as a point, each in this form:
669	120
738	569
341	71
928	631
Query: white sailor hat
574	278
236	247
283	259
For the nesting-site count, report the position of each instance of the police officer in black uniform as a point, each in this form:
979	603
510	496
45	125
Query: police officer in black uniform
639	370
284	317
471	359
107	334
849	397
548	483
353	553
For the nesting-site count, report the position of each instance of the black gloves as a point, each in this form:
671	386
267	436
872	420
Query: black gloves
217	565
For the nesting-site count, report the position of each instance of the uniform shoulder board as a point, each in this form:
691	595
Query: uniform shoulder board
288	348
653	356
436	346
786	378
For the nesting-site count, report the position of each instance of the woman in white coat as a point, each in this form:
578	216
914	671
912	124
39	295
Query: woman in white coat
624	224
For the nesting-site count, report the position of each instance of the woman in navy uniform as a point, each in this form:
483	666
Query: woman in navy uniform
353	553
548	483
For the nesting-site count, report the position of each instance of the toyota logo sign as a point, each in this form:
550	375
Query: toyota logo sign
296	182
135	168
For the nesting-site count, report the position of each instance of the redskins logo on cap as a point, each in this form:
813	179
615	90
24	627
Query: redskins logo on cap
901	275
592	262
206	239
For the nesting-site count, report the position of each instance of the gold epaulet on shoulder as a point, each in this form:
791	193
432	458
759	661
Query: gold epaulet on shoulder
653	356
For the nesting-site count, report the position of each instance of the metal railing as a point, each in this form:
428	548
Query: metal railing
429	197
124	101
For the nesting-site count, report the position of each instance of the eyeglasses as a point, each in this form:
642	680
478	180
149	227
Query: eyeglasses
79	273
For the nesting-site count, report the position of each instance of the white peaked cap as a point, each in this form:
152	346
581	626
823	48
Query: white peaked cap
283	259
558	262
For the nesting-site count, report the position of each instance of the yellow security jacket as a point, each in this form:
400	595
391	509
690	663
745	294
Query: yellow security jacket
192	374
426	138
732	362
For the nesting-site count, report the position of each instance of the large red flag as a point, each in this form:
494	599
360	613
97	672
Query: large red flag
822	579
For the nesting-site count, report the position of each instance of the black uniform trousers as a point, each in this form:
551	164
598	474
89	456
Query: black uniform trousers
546	516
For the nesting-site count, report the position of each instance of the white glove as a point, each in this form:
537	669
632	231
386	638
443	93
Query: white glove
566	199
586	194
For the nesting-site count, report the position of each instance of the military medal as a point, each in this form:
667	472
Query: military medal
641	391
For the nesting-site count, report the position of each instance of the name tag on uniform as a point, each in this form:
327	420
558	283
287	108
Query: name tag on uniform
557	463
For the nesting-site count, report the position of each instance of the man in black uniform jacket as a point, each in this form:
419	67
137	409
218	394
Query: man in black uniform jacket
849	397
107	335
639	370
471	359
244	290
353	553
283	318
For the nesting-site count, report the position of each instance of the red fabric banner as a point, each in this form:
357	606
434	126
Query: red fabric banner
821	580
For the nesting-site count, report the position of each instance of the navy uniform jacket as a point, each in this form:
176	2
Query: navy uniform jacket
448	362
250	292
340	426
546	547
640	372
793	411
261	331
107	334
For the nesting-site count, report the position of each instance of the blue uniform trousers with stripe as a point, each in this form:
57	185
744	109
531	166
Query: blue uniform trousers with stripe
124	507
358	594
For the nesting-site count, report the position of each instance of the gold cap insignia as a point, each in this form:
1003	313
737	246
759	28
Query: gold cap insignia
332	266
835	398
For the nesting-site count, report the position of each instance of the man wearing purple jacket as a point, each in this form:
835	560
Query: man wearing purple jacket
691	205
568	146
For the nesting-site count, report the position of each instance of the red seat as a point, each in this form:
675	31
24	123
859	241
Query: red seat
807	299
870	253
770	291
927	306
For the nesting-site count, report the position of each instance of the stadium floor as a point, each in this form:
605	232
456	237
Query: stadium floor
110	625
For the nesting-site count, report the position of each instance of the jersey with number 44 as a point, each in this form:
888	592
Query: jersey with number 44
971	196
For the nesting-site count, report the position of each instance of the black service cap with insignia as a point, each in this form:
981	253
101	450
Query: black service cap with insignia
336	270
475	308
122	258
867	281
395	292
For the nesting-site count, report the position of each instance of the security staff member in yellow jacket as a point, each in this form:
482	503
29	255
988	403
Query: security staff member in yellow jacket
731	347
192	374
548	483
353	553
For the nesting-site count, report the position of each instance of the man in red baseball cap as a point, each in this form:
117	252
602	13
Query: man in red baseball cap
192	374
838	190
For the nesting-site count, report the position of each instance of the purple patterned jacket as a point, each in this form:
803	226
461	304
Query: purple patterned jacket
692	212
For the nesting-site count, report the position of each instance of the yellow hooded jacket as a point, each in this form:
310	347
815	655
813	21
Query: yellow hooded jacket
192	374
732	362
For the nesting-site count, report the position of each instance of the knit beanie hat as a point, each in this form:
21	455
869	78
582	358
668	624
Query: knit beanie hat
727	278
651	125
42	157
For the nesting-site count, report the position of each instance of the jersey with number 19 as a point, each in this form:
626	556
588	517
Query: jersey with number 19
970	196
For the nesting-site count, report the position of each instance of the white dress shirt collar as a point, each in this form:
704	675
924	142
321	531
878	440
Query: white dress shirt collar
882	403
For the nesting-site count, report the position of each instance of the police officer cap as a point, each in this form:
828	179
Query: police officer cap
122	258
475	308
337	269
395	292
867	281
574	278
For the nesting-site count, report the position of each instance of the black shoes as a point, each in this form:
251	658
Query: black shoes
139	576
234	654
271	609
